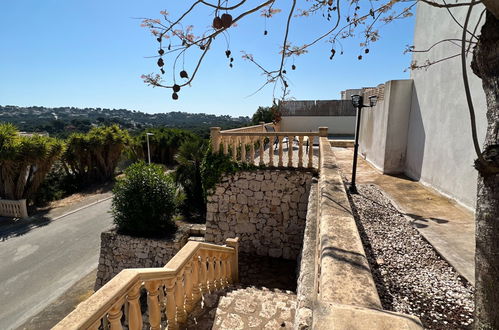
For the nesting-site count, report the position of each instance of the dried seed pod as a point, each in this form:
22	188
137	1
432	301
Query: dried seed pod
183	74
227	53
366	51
293	67
217	23
176	88
162	71
284	71
161	51
360	57
265	32
232	59
226	20
158	39
160	62
230	65
175	96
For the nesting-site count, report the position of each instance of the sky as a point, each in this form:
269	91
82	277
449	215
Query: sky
92	53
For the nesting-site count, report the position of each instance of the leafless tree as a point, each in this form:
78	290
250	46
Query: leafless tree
344	19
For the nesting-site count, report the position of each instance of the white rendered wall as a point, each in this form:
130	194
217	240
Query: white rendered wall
439	146
383	128
343	125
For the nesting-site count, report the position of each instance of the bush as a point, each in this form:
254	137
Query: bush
57	185
215	165
144	202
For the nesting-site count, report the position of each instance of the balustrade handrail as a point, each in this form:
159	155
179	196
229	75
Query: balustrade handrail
182	292
254	128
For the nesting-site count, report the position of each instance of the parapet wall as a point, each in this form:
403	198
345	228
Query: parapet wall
118	252
266	209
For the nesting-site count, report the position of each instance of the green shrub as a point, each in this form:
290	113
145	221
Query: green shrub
215	165
144	202
57	185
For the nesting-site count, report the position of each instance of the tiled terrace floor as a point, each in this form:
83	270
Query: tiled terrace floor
449	227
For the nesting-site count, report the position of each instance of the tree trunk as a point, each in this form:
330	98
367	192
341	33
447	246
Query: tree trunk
486	65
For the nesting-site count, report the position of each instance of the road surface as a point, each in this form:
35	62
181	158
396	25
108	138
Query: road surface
42	264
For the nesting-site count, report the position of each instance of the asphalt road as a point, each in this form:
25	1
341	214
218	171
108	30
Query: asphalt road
42	264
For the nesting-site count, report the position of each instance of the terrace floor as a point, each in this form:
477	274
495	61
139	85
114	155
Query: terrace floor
449	227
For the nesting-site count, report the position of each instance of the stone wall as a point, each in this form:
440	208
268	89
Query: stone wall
121	251
266	209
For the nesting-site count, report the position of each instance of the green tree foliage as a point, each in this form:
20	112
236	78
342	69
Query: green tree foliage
24	161
164	144
188	174
267	115
93	157
262	114
144	202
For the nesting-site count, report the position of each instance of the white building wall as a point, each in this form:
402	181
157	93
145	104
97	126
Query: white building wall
342	125
439	145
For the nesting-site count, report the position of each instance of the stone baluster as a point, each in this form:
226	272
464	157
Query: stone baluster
171	306
180	298
290	151
235	143
280	163
226	141
215	139
228	265
153	306
218	271
310	151
271	150
252	150
189	301
243	148
223	268
114	316
203	274
196	291
262	146
300	151
134	312
211	274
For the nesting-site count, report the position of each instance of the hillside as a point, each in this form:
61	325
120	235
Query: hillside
65	120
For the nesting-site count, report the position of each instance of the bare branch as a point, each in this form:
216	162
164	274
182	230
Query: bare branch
439	5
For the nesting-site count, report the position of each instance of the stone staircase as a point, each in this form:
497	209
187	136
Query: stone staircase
245	308
255	308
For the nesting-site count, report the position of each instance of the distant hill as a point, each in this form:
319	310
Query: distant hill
65	120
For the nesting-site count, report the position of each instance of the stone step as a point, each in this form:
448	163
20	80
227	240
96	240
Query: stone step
255	308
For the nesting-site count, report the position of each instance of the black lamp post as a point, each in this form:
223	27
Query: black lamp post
358	102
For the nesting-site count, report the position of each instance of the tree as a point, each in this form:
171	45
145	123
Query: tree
93	157
485	64
24	161
266	115
188	174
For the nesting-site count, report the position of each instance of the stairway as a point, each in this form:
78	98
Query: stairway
255	308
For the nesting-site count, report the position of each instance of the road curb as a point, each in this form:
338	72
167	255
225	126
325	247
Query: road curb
81	208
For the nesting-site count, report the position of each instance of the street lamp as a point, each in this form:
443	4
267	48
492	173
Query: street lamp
358	103
148	149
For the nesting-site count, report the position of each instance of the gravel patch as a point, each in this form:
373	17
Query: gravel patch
410	276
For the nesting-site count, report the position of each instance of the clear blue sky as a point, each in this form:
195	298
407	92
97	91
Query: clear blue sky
92	53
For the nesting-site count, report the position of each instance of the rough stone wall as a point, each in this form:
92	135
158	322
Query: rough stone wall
121	251
266	209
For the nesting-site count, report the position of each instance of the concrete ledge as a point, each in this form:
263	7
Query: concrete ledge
345	276
341	317
342	143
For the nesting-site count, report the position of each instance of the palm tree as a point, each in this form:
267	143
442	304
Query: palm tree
188	174
25	161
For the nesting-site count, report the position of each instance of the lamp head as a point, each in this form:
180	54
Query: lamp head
373	100
356	101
